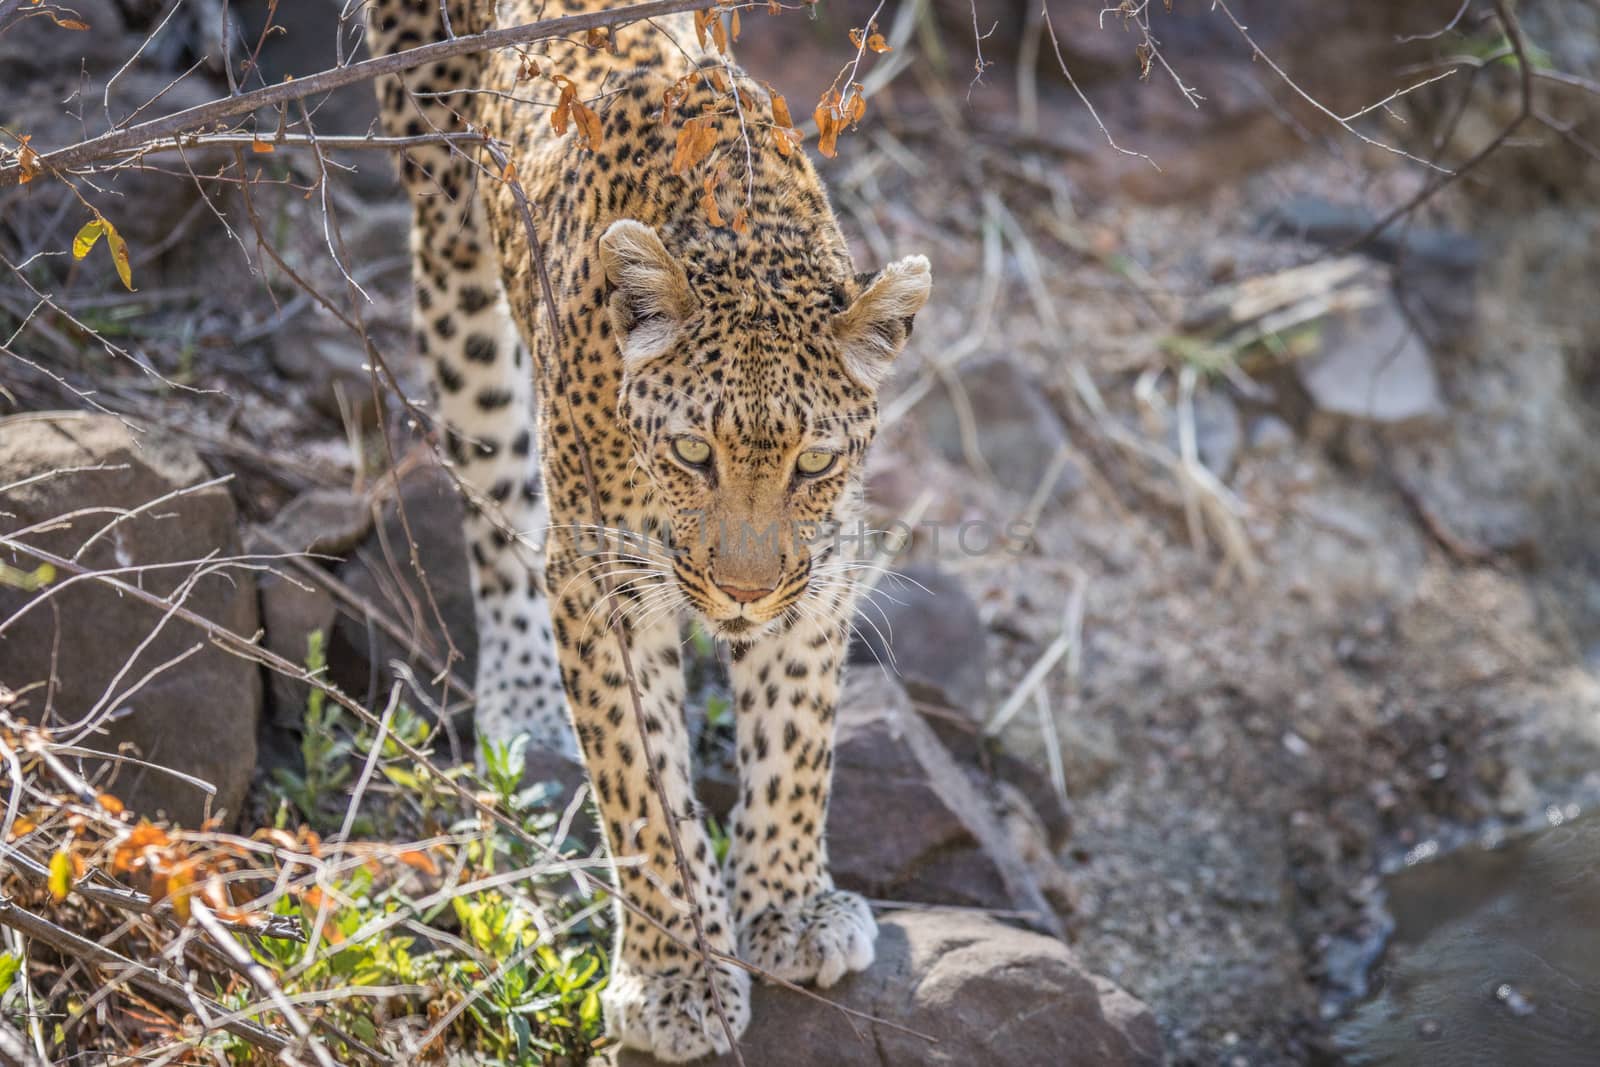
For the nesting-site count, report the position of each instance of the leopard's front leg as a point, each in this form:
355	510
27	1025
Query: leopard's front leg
659	997
791	920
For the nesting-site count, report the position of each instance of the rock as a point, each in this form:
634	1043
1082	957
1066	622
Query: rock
331	361
1018	432
987	993
1269	435
305	39
1323	222
923	627
379	570
322	521
293	607
197	716
906	822
1371	364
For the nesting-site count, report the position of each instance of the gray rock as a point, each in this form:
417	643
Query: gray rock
1018	432
379	571
986	993
1372	365
198	716
907	823
1321	221
921	624
330	360
293	607
323	521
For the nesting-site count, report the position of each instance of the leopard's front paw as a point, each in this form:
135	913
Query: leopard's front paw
822	940
672	1015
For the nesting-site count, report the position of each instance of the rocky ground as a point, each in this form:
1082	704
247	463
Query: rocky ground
1352	617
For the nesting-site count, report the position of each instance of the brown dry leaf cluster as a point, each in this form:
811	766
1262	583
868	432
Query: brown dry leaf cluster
710	19
696	139
569	107
871	40
27	159
835	114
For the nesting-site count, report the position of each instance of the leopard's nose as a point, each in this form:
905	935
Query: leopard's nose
743	595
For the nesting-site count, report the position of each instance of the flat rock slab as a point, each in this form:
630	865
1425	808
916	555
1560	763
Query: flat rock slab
126	501
986	993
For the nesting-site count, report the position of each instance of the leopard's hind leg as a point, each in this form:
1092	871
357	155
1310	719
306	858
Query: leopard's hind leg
482	378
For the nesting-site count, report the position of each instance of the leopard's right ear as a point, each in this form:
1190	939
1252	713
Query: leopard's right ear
650	296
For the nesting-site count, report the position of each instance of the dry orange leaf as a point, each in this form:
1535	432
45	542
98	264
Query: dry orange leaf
741	222
562	115
68	24
876	43
588	123
111	803
27	160
258	145
419	861
20	828
780	108
829	123
733	25
718	82
702	18
708	202
696	139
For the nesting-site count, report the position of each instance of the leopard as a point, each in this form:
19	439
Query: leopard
655	379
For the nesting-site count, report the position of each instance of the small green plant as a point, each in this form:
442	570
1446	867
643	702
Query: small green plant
720	841
719	711
315	788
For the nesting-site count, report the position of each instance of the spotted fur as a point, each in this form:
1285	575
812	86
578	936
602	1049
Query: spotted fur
713	391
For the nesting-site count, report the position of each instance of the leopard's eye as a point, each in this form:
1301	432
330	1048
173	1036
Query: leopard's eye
692	451
816	462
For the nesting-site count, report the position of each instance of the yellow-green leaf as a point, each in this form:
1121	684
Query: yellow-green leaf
60	875
119	256
88	237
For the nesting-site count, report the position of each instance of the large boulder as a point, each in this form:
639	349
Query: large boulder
87	487
920	623
983	992
906	821
434	609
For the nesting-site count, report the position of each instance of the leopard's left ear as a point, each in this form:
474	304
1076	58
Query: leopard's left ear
873	329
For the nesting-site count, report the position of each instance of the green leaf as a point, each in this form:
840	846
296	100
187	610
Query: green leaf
9	966
589	1010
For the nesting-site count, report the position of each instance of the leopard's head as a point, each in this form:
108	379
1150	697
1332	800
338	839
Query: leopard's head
750	380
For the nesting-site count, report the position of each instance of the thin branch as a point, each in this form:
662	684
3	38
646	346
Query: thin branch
1061	60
